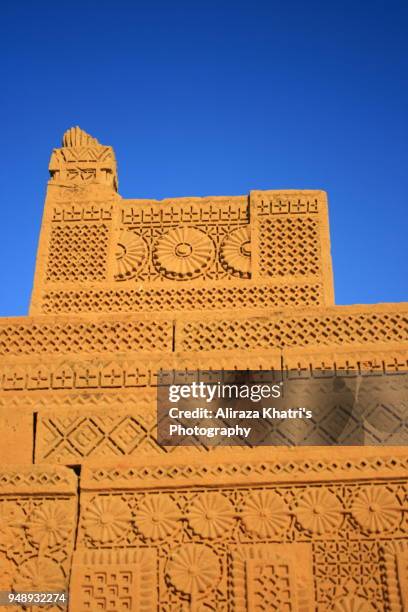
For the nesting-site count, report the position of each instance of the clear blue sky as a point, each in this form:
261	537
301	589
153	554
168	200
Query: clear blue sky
215	98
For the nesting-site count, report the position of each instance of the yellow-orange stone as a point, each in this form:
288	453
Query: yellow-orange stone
125	287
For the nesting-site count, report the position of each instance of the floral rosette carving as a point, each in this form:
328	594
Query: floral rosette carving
157	517
49	525
235	252
183	253
211	515
106	519
376	509
12	521
131	253
265	513
39	574
352	604
194	569
319	511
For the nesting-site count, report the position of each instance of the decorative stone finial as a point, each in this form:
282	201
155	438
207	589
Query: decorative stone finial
75	137
83	159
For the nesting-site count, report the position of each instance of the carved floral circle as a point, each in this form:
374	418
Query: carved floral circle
319	511
39	574
376	509
157	516
194	569
183	253
131	253
49	525
235	252
211	515
352	604
12	521
106	519
265	513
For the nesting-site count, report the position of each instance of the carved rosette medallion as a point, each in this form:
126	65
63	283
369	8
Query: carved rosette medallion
235	252
49	525
211	515
183	253
106	519
319	511
131	253
265	514
156	517
194	569
376	509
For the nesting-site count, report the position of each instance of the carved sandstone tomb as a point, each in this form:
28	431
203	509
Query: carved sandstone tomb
90	502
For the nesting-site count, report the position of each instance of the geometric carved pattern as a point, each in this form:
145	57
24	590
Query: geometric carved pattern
160	299
204	211
322	330
80	375
85	337
65	374
349	574
234	471
338	328
14	479
271	585
114	581
283	203
123	423
71	438
66	211
289	246
274	577
78	253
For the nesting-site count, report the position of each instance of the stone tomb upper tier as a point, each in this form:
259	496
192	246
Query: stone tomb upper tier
101	253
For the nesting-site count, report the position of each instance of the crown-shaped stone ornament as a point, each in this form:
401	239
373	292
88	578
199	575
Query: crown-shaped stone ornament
83	160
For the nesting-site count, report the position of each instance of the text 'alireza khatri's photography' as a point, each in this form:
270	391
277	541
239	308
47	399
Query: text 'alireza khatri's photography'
203	306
